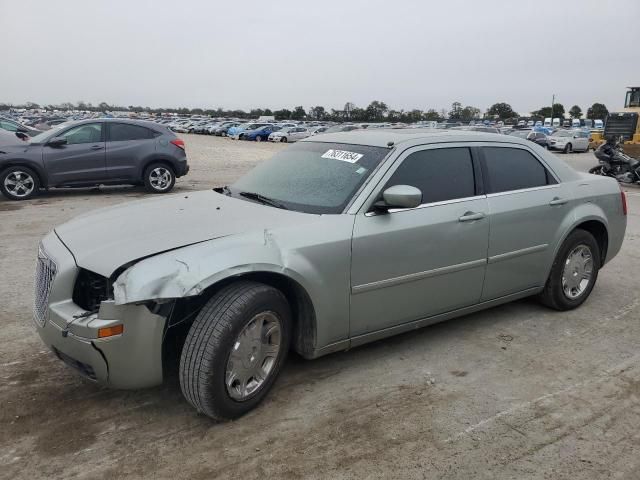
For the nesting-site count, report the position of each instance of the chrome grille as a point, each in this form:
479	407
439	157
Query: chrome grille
45	273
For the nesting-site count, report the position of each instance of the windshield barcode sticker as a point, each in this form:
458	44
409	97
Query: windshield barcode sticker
343	155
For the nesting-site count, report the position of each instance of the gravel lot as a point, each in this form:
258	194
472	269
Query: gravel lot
514	392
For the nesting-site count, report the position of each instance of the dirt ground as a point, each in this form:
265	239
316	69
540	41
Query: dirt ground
514	392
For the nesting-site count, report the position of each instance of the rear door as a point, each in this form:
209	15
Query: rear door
409	264
81	160
526	208
127	146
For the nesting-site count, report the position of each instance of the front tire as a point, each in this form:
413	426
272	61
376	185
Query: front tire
597	170
19	183
574	272
567	148
258	138
235	349
159	178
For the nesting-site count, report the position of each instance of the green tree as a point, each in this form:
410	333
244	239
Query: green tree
468	113
558	110
597	111
283	114
298	113
431	115
376	111
318	112
544	112
456	111
501	110
575	112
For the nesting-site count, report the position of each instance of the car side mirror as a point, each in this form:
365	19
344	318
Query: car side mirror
57	142
399	196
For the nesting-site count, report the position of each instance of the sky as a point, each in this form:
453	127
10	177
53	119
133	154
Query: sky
257	54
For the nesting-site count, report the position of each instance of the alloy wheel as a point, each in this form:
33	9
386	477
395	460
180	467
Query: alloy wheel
19	184
160	178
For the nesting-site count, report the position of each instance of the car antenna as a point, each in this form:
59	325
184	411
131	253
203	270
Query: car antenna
390	143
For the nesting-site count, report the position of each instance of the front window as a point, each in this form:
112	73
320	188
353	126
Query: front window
312	177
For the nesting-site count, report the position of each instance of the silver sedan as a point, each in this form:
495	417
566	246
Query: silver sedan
339	240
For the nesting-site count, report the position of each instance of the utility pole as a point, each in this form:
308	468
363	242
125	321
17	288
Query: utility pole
553	101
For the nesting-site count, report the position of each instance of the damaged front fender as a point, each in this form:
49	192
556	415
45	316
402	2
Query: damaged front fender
188	271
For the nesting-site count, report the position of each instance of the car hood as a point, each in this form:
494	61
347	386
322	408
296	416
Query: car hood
106	239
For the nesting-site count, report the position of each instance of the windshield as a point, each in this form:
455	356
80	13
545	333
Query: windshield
47	134
313	177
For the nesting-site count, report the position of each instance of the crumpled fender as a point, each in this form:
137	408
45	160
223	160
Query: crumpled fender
189	270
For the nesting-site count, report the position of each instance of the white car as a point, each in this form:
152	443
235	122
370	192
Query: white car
290	134
568	141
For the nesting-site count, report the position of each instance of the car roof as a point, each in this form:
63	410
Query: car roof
382	137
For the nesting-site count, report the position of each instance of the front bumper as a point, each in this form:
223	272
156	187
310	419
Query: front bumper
132	359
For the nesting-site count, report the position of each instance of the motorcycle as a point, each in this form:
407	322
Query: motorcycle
616	164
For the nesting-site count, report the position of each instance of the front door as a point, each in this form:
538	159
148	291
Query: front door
81	160
414	263
527	207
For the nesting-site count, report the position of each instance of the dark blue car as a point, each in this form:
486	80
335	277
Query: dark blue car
259	134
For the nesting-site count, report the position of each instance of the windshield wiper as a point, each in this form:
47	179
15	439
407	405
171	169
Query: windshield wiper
262	199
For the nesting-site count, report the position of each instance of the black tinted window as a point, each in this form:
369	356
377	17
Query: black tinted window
123	131
513	169
440	174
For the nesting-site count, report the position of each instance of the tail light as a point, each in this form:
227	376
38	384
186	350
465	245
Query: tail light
178	142
623	198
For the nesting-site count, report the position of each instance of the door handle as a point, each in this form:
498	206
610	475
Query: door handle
96	147
558	201
471	216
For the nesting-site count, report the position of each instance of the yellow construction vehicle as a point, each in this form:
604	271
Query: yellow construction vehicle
623	125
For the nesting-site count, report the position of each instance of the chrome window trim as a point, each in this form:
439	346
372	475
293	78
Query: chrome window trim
426	205
522	190
412	277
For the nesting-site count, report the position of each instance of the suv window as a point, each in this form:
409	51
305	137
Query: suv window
514	169
87	133
119	132
440	174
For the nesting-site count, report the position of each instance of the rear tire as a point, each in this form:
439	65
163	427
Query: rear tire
19	183
558	292
159	178
229	360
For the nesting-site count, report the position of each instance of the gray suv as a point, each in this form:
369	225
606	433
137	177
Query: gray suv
104	151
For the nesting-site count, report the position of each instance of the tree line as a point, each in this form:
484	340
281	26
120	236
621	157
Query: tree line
376	111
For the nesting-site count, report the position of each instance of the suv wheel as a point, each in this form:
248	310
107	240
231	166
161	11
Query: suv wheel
159	178
235	349
19	183
574	272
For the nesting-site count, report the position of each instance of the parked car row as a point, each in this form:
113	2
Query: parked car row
565	140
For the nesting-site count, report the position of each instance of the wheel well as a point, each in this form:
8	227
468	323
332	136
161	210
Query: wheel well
303	339
599	232
30	167
158	160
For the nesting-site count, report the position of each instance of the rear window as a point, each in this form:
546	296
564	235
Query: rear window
514	169
123	131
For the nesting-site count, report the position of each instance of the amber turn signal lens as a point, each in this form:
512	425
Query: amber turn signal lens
110	331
